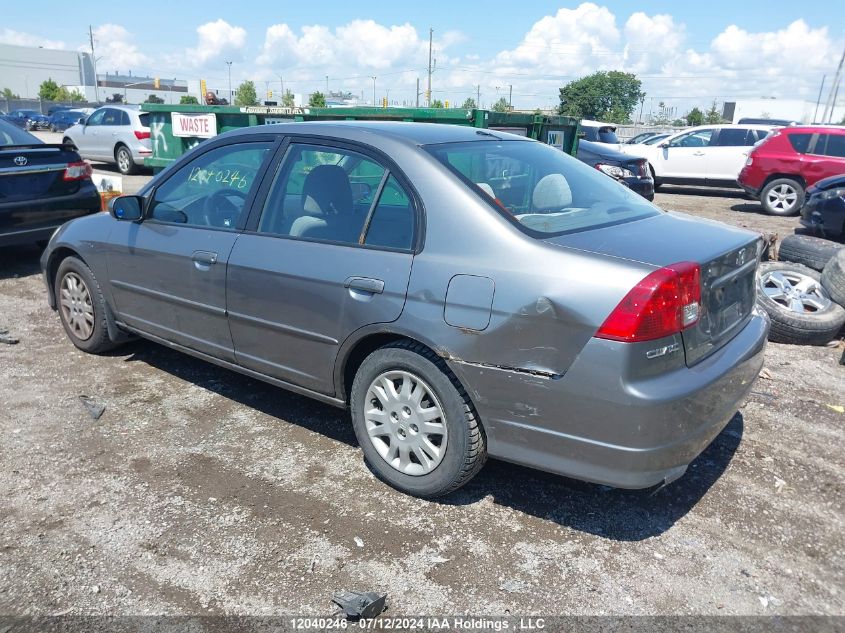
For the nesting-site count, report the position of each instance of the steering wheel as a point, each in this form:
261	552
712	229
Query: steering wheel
219	211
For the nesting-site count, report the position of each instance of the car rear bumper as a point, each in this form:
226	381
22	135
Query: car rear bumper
595	424
43	217
642	186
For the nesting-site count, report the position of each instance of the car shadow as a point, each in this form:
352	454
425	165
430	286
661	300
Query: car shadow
622	515
711	192
749	207
111	168
20	261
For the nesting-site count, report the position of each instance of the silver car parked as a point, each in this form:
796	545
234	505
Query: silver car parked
118	134
464	292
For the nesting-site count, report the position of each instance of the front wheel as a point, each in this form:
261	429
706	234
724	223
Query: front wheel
125	163
414	421
782	196
81	306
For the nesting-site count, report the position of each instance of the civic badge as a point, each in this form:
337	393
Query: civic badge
740	257
20	161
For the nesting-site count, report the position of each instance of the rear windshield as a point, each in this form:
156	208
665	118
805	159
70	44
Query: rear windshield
546	191
13	135
600	134
145	119
800	142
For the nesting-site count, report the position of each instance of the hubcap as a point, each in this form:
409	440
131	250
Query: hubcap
123	160
782	197
405	422
76	306
794	291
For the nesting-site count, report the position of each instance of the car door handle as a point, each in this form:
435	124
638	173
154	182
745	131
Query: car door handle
698	154
364	284
204	259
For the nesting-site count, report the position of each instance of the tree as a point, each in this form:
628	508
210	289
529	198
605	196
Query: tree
188	100
678	123
152	98
713	115
469	104
116	97
501	105
288	100
437	103
605	96
8	95
695	117
245	95
317	100
49	90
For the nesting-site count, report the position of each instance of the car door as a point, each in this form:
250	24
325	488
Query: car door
87	136
826	157
168	272
328	252
107	133
684	157
727	153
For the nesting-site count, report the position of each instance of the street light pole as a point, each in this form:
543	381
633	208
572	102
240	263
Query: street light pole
374	90
231	98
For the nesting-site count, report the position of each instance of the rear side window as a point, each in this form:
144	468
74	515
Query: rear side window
831	145
392	221
735	137
145	119
800	142
124	117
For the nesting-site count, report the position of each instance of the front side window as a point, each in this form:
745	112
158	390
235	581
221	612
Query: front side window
111	117
544	189
830	145
211	190
699	138
96	118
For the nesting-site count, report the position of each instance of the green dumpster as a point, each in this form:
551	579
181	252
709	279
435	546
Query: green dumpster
174	129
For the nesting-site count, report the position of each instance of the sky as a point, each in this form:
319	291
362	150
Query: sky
685	53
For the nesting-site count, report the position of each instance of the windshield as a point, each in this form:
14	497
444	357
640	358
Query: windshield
654	139
604	134
546	191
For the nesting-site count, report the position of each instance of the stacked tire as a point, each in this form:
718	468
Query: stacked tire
804	292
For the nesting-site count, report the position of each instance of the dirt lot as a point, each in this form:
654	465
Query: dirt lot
202	492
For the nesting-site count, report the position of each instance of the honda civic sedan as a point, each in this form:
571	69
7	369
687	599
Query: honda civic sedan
465	293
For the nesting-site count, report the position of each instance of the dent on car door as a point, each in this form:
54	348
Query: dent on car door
168	272
329	252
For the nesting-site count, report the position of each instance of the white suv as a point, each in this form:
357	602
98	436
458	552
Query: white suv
710	155
118	134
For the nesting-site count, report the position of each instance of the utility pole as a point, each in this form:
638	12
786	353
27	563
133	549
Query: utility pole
418	92
327	85
374	90
478	96
828	108
510	96
231	96
94	61
428	93
818	101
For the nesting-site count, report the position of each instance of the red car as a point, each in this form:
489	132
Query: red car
779	169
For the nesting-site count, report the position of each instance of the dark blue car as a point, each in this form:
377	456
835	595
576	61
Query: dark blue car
29	119
63	119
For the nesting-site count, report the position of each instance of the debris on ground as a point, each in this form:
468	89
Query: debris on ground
359	542
7	338
360	604
95	409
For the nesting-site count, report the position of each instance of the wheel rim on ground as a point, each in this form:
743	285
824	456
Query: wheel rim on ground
123	160
783	197
405	422
794	291
76	306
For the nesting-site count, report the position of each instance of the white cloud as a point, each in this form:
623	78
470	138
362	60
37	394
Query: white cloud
216	40
18	38
116	50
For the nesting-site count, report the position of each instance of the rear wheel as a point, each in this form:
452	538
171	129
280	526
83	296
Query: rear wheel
782	196
414	421
81	306
657	183
125	164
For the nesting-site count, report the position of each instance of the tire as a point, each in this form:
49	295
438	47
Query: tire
813	252
782	196
833	277
816	325
97	341
125	164
657	183
463	444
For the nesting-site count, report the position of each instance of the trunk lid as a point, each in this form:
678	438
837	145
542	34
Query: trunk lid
728	258
30	172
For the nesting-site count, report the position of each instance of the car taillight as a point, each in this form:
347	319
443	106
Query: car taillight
78	171
666	302
141	135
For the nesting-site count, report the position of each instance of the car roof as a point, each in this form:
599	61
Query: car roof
812	129
408	132
121	106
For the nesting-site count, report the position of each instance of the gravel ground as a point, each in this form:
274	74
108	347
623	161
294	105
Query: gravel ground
200	491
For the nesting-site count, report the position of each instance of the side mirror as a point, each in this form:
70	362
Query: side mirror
127	208
663	145
82	120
